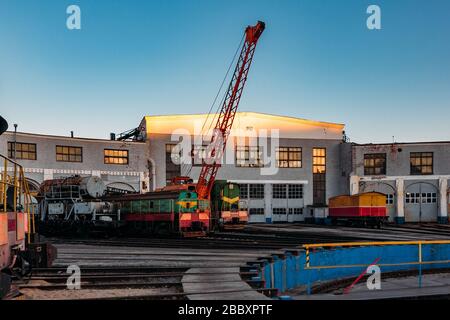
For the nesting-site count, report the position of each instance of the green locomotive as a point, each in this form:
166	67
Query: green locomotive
227	208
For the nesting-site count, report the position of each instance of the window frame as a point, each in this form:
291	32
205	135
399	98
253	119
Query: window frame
12	144
257	194
116	157
421	157
371	170
247	161
68	154
288	152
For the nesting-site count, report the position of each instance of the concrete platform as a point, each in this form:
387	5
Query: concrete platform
396	288
218	284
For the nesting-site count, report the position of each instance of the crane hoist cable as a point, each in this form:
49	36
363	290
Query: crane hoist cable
188	167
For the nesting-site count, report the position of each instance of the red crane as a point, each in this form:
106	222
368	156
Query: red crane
228	111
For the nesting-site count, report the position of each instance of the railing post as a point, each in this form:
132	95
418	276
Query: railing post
308	286
420	264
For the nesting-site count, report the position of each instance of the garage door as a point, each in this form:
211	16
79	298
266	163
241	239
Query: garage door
421	202
388	190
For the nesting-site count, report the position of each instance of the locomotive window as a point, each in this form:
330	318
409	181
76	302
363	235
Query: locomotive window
421	163
151	204
69	154
375	164
22	151
112	156
289	157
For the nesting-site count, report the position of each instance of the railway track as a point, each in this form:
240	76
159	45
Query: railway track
231	240
117	283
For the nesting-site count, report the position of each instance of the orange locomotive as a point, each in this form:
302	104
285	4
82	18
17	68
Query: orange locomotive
366	209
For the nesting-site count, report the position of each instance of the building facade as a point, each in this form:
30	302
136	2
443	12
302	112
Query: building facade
287	167
283	165
414	176
120	164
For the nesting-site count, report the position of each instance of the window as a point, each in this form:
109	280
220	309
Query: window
319	176
295	191
113	156
278	211
375	164
390	198
22	151
289	157
295	210
243	191
256	191
425	197
256	211
421	163
248	157
69	154
319	160
172	169
279	191
198	154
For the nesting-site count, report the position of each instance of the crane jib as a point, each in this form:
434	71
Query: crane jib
228	110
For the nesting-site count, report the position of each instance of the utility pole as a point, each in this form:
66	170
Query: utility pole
15	141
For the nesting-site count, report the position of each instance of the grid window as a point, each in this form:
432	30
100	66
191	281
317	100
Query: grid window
289	157
22	151
256	191
243	191
69	154
279	211
279	191
247	156
198	154
296	211
425	197
256	211
375	164
295	191
421	163
113	156
390	198
319	160
173	169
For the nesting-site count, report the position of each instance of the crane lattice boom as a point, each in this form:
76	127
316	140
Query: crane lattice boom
228	111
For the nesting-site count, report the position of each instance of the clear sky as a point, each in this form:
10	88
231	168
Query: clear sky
316	60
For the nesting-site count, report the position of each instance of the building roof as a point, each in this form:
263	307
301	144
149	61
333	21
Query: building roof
256	115
39	135
244	124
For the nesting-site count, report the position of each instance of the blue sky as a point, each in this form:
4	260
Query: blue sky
316	60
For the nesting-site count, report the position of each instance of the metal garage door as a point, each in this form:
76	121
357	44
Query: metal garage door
421	202
387	189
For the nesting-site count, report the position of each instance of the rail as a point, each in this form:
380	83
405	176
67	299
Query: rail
13	176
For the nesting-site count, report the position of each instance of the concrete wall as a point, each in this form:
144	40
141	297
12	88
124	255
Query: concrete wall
399	182
46	166
288	271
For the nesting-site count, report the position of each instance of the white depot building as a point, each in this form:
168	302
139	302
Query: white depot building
121	164
283	164
287	167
